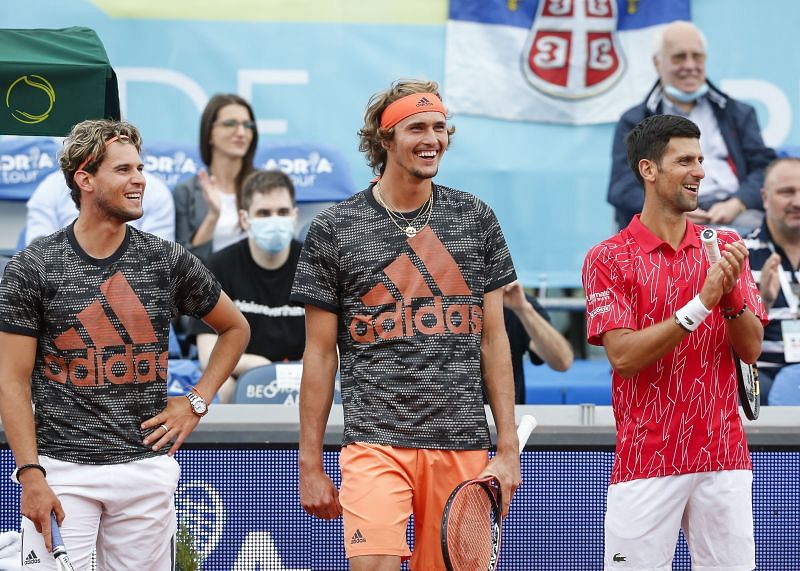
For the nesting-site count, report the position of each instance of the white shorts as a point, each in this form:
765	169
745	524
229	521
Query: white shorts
715	510
125	511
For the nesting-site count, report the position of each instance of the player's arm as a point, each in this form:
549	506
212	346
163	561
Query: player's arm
205	344
630	352
499	381
318	495
234	334
545	340
17	356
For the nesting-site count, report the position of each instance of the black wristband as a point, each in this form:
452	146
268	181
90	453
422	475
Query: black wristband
24	467
736	315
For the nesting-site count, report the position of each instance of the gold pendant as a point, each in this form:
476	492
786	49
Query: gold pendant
410	231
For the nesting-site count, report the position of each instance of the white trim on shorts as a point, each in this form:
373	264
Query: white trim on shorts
714	509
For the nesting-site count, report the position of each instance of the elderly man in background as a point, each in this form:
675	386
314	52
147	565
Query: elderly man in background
735	154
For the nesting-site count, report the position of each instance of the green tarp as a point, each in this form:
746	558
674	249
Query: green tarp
52	79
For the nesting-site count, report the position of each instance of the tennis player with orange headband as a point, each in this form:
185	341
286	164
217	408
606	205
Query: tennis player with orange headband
406	280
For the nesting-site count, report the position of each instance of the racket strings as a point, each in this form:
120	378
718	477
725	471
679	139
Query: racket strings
470	529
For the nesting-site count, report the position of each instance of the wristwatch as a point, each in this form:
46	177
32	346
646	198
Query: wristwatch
198	403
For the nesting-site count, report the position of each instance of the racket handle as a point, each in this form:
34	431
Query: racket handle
526	426
55	535
710	244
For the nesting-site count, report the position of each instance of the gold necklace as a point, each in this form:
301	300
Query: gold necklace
395	217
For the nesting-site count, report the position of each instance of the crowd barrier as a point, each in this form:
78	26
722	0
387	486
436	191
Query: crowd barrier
238	492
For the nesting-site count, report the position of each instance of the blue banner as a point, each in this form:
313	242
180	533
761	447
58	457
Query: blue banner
320	173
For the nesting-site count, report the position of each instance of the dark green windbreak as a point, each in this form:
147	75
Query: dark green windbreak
52	79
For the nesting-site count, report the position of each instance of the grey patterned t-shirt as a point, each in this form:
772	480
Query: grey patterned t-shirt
102	326
410	316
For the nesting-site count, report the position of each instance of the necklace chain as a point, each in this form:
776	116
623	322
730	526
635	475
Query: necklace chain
409	229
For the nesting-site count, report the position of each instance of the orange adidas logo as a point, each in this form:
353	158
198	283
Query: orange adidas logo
402	320
108	358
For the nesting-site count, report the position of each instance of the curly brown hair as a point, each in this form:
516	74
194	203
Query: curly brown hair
87	140
372	138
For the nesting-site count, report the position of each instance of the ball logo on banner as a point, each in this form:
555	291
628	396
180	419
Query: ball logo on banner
572	50
25	88
200	509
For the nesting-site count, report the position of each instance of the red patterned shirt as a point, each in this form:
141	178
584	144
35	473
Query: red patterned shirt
679	415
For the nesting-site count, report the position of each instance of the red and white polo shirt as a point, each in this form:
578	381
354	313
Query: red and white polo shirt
680	414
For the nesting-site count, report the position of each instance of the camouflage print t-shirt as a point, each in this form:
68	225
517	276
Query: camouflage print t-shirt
102	326
410	316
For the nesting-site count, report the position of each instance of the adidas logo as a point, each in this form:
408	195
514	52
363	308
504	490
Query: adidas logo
408	317
357	538
32	558
108	357
424	102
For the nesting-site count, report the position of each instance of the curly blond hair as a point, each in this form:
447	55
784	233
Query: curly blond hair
372	137
87	139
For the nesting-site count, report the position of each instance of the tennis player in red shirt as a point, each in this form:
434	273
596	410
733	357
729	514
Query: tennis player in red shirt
655	303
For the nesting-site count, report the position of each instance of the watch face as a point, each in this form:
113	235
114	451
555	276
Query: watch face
199	406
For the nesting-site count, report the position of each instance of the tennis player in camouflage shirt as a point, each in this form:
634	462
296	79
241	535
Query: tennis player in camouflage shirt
84	323
406	280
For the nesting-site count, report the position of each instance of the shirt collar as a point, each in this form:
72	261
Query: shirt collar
650	242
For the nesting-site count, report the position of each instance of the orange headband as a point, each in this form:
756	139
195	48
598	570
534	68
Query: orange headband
410	105
89	158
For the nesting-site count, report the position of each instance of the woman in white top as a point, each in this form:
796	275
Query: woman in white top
206	214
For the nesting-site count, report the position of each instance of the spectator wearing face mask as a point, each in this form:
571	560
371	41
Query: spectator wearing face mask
735	155
257	274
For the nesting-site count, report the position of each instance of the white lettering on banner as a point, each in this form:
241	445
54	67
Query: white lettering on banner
258	551
303	171
171	168
35	160
179	81
779	109
15	177
247	78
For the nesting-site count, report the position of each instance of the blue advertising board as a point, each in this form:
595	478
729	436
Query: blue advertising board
243	509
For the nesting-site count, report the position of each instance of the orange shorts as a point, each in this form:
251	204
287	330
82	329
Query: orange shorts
383	485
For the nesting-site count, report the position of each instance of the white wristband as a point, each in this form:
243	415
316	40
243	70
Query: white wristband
691	315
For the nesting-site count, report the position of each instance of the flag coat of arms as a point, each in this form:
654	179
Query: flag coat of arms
555	61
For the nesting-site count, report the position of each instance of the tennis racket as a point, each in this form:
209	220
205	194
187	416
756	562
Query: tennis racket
59	551
473	516
746	374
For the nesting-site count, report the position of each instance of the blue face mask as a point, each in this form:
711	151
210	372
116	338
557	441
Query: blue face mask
683	97
272	233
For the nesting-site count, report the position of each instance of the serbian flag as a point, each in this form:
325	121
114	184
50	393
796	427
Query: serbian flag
554	61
